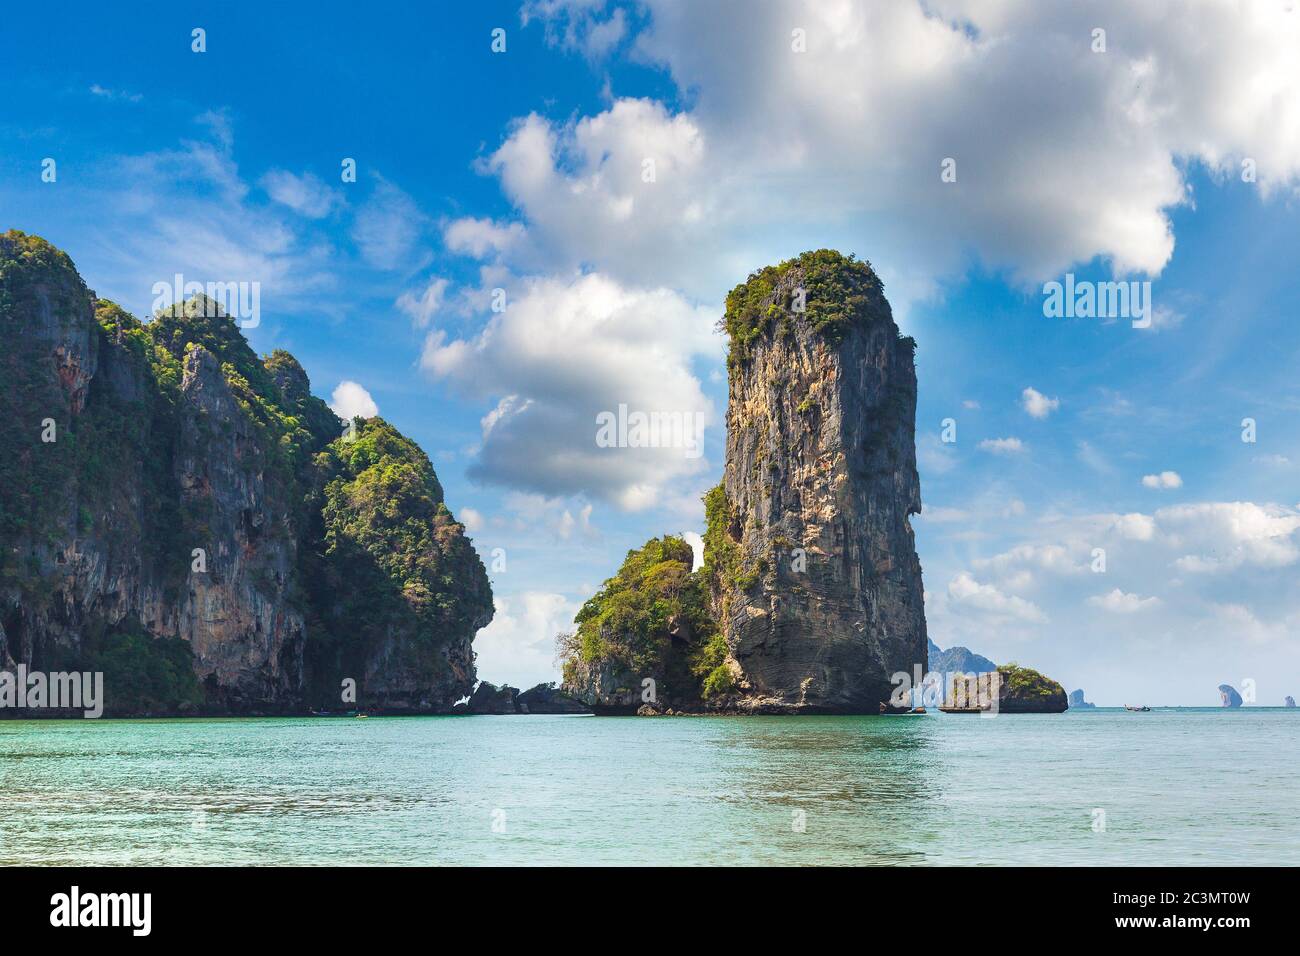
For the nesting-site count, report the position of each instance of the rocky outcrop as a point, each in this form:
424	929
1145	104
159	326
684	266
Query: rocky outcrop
549	699
490	699
1018	690
1228	696
1077	702
1289	701
543	699
164	484
816	580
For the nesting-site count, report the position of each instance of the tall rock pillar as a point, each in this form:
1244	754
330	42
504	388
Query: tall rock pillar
815	577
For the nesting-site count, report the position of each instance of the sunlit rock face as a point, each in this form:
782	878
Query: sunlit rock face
163	483
817	584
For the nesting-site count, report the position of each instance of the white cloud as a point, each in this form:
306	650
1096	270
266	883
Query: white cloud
518	646
424	307
1038	405
1063	155
1135	527
563	352
1117	602
479	237
1163	481
471	519
388	227
349	400
1002	446
1016	567
578	25
305	194
935	514
969	594
108	94
1228	535
187	210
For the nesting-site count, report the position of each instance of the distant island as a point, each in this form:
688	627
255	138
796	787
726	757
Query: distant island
1078	703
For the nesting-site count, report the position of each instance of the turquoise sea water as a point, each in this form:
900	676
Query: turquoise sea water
1177	786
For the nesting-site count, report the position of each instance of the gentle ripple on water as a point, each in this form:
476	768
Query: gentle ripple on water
1178	786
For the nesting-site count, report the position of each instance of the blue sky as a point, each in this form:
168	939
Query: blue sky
525	171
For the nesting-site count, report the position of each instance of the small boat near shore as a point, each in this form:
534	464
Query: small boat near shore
891	712
1140	710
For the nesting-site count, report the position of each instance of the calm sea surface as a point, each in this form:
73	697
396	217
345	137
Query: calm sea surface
1178	786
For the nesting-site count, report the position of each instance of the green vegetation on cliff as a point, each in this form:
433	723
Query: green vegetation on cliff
144	674
652	619
836	289
389	557
130	444
1028	685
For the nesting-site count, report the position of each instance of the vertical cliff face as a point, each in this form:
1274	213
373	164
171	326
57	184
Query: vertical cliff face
816	580
810	597
164	496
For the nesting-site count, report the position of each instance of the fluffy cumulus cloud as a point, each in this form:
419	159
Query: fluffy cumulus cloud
481	237
1117	602
518	647
1062	154
1210	584
1002	446
1135	527
565	352
1038	405
1219	536
350	400
1164	481
986	600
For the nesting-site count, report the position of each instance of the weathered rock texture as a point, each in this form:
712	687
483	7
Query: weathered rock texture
810	597
549	699
162	483
817	584
543	699
1019	690
1228	696
491	699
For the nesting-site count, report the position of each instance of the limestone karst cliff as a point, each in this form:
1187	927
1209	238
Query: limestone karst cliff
188	518
813	583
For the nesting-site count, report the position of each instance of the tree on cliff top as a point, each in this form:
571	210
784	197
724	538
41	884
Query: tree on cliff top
836	290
